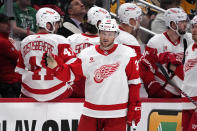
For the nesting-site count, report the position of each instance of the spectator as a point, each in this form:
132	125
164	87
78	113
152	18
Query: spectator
158	24
39	82
189	83
168	50
9	79
88	4
73	24
129	15
81	41
111	101
25	18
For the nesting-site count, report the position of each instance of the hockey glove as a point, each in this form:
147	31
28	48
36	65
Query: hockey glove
134	113
167	57
44	62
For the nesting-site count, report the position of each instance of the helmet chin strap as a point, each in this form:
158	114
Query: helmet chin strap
134	26
177	30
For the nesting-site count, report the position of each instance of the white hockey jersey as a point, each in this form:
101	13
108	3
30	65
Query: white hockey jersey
163	44
39	82
78	42
129	40
190	72
109	74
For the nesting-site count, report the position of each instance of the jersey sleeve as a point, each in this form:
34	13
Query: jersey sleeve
65	52
137	50
64	49
20	67
132	71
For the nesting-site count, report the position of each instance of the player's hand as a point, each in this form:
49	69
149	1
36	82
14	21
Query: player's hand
134	113
167	57
172	67
51	62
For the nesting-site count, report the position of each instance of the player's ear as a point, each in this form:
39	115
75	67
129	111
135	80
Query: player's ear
173	25
132	21
49	26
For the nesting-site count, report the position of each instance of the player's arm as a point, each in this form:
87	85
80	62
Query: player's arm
69	71
21	31
167	58
69	58
134	104
147	72
153	88
20	67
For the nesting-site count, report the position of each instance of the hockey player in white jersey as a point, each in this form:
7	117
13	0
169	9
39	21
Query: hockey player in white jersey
78	42
190	82
38	81
129	15
112	83
168	49
81	41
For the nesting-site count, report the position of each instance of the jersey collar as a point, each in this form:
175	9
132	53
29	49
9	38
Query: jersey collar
91	36
175	44
41	33
121	28
106	52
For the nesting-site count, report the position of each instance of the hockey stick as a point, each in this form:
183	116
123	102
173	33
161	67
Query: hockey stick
185	47
174	85
71	27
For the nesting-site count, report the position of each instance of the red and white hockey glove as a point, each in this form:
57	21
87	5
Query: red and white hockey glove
134	113
55	65
168	57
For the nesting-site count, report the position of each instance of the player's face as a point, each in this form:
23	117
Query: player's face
107	38
182	27
194	32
